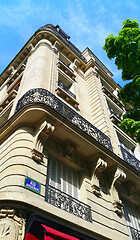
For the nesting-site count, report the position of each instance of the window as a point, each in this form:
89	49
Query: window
132	220
63	178
62	190
113	110
15	87
104	83
65	89
64	59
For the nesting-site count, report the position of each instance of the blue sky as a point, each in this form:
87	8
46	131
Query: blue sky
88	22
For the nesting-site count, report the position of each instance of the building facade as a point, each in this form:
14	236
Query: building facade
67	170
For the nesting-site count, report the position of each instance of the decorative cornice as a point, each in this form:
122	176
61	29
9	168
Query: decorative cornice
63	36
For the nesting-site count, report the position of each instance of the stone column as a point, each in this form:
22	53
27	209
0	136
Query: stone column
37	73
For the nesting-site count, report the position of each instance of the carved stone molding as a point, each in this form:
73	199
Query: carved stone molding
118	206
11	226
31	47
96	190
119	177
12	70
55	46
42	134
96	69
75	64
92	71
100	166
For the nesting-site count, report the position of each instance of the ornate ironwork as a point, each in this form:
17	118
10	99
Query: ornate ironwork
129	158
39	95
134	233
60	84
66	202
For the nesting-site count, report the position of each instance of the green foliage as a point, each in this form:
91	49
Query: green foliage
125	49
130	94
131	127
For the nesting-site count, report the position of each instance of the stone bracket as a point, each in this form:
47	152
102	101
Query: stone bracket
118	178
55	46
75	64
42	134
99	168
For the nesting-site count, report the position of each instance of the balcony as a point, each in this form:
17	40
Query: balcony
135	234
115	118
61	85
7	100
112	97
15	76
130	159
42	96
67	95
64	201
66	69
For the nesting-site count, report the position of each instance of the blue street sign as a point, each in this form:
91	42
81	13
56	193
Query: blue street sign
32	185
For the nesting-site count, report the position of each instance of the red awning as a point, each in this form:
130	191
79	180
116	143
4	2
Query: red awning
52	234
29	236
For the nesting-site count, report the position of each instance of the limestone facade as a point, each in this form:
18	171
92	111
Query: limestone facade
59	117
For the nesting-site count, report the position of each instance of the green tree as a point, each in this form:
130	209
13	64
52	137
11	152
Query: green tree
125	49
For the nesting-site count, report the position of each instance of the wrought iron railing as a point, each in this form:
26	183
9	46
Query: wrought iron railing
131	159
61	85
66	202
39	95
135	234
